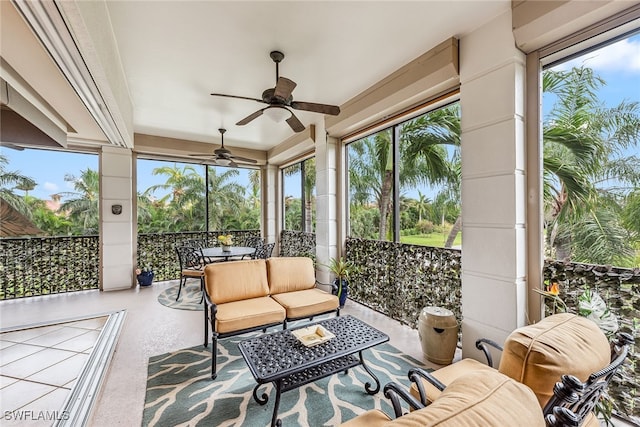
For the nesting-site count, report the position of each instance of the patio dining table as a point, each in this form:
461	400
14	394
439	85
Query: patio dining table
234	251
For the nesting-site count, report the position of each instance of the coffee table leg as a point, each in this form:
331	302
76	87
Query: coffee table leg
275	422
367	386
261	400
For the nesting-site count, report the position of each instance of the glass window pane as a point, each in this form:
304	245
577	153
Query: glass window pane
430	178
234	198
370	162
292	177
309	195
170	196
56	191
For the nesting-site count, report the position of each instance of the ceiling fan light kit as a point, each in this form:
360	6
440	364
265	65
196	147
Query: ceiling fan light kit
280	100
277	114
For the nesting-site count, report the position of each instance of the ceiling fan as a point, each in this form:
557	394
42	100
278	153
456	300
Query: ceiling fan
223	157
280	100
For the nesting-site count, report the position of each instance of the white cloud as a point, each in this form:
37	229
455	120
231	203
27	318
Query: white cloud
50	186
621	56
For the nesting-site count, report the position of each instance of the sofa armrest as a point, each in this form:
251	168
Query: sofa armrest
416	375
394	391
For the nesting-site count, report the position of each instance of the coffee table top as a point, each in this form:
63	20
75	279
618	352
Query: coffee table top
279	354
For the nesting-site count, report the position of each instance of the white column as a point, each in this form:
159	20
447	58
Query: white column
117	249
326	206
271	214
493	184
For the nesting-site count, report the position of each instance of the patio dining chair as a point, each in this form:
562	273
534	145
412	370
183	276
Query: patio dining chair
265	251
191	267
565	359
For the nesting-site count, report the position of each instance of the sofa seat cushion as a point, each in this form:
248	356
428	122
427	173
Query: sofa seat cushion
447	375
249	313
372	418
288	274
307	303
236	281
539	354
486	399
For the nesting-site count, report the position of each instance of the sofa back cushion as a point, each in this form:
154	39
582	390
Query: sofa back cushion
486	398
288	274
235	281
539	354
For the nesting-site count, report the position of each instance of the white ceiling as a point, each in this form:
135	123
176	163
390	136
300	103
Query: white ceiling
175	53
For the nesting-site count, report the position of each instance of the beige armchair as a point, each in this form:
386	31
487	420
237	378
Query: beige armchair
564	353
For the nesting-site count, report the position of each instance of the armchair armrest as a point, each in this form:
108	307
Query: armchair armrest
416	375
483	344
394	391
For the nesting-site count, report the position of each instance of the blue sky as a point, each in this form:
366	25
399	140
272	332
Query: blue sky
618	64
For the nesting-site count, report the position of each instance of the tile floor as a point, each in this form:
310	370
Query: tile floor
39	366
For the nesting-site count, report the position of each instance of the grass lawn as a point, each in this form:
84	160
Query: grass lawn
433	239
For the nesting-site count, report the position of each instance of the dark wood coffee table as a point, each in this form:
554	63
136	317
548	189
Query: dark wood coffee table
281	359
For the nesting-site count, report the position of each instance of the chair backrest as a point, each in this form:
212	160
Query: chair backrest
189	257
573	400
288	274
194	243
236	281
538	355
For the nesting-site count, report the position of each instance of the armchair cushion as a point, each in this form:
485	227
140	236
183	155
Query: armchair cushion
287	274
539	354
486	398
236	281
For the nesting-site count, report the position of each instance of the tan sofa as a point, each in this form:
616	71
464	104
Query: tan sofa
480	399
250	295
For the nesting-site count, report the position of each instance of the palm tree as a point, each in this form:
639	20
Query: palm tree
422	205
10	180
185	197
309	187
586	172
82	207
226	197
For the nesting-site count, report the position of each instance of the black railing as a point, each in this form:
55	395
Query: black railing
48	265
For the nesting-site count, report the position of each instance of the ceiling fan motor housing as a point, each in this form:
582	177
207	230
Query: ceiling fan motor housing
269	97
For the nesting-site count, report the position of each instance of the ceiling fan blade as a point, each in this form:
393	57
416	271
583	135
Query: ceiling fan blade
201	155
333	110
284	87
232	164
238	97
295	124
244	159
250	117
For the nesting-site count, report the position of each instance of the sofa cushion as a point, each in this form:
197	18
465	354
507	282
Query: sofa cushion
539	354
235	281
300	304
288	274
486	399
447	375
238	315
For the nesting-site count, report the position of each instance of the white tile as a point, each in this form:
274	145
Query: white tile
5	381
55	337
27	334
61	373
94	323
81	343
21	393
35	362
16	352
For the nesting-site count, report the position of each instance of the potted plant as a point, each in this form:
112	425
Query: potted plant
226	240
144	275
342	269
